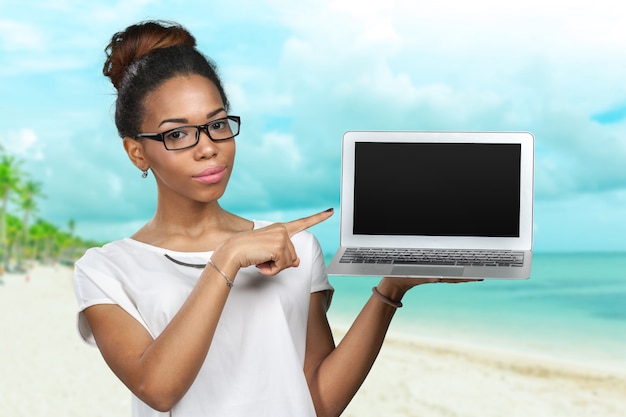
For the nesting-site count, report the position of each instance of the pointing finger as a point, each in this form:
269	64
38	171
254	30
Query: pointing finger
304	223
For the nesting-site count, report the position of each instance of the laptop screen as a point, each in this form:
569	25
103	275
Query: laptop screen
437	189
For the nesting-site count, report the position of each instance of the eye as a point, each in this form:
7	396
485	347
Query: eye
218	124
176	134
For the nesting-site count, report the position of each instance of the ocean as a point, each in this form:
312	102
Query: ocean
573	307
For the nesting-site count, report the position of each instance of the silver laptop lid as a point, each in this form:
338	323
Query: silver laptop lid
425	189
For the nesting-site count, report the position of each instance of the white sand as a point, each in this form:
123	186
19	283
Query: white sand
432	379
46	370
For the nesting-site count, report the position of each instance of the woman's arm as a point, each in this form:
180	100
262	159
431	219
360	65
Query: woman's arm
334	373
160	371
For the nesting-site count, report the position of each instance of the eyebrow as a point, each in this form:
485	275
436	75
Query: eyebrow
182	120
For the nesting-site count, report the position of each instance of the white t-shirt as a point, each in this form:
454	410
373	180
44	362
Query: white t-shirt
255	364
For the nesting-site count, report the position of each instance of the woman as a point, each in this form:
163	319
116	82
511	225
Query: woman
202	312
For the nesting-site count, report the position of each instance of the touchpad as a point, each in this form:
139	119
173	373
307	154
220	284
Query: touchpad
428	271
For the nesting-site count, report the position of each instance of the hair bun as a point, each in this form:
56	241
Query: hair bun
139	40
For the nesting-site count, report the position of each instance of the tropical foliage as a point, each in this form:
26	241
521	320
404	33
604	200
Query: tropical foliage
22	240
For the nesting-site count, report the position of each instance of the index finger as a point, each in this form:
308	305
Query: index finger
296	226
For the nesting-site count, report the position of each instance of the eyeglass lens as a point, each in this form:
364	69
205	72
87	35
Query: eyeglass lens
187	136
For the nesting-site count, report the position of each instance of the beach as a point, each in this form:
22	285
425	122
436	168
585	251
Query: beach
47	370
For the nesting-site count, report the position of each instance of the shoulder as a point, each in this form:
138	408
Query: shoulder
107	250
118	254
101	252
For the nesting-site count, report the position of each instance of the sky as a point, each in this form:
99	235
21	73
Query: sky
302	73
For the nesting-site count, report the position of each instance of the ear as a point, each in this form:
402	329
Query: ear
134	149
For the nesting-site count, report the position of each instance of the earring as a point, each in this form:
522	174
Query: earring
144	173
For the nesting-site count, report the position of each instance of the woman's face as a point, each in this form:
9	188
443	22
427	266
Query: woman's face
199	173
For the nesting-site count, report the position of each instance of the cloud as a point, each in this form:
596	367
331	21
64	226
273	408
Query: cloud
18	36
302	73
22	143
63	35
510	68
290	154
275	173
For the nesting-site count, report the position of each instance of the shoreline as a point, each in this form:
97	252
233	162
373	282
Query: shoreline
495	346
517	360
443	378
50	368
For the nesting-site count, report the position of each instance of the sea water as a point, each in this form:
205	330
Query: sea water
573	307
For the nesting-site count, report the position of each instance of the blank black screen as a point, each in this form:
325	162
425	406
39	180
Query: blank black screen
437	189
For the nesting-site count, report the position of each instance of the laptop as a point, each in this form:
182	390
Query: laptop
436	204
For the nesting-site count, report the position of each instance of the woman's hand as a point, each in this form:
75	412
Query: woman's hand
394	288
269	248
408	283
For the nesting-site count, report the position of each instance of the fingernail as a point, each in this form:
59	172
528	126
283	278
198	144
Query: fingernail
330	210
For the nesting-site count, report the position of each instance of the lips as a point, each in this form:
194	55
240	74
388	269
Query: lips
211	175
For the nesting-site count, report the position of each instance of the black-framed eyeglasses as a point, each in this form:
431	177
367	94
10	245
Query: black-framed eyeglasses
184	137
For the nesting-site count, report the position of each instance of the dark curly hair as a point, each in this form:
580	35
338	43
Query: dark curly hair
144	56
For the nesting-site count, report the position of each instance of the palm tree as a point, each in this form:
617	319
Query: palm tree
10	172
43	240
27	194
45	237
71	225
14	231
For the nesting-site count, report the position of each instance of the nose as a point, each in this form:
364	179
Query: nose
206	147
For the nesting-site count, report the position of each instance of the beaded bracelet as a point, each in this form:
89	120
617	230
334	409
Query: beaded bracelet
228	281
386	300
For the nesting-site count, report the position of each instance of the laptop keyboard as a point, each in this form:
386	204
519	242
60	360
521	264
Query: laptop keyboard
433	257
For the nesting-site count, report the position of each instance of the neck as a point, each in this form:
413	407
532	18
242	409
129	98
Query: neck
206	216
191	226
